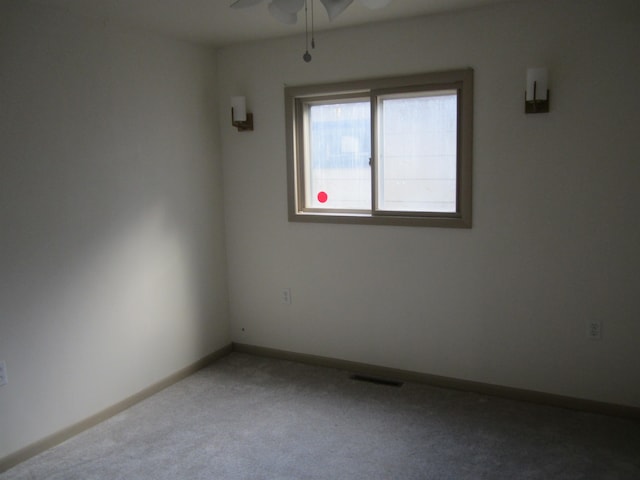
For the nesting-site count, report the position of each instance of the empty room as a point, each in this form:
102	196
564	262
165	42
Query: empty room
319	239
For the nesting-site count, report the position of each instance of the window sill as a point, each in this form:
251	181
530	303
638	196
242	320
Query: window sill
444	221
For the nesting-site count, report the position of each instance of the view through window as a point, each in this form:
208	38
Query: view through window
390	151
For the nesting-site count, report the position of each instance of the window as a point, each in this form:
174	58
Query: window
394	151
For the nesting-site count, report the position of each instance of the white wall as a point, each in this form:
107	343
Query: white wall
112	248
556	230
112	266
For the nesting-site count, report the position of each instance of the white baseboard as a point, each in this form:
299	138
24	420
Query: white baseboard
531	396
52	440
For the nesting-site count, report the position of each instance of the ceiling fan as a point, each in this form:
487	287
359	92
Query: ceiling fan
286	11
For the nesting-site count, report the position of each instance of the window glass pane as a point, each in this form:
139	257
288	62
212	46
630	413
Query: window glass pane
338	174
417	157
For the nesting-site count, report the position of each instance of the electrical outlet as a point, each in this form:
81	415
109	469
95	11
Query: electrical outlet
286	296
3	374
594	329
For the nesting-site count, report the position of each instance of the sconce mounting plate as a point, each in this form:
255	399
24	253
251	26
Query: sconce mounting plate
246	126
536	106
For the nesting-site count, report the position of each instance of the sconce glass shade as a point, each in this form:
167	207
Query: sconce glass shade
541	78
536	96
240	119
239	106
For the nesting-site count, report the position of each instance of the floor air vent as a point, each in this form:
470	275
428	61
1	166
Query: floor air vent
377	380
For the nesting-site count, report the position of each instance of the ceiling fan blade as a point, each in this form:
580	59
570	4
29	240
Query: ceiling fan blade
245	3
281	15
375	3
335	7
289	6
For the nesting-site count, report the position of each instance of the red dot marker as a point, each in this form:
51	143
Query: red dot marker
323	197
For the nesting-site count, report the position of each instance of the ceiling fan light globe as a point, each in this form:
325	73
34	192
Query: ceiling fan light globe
335	7
289	6
282	16
375	4
245	3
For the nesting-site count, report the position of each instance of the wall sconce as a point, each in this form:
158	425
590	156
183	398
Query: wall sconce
240	119
536	96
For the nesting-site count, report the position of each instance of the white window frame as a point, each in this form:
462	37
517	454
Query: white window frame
297	100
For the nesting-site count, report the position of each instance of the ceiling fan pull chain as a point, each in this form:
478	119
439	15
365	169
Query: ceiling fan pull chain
307	56
313	32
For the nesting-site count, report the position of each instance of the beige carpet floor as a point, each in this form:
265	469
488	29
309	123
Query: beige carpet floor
248	417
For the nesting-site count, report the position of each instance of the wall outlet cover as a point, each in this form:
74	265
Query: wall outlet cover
3	374
594	330
286	296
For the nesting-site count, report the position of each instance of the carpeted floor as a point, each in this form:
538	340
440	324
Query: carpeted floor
249	417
